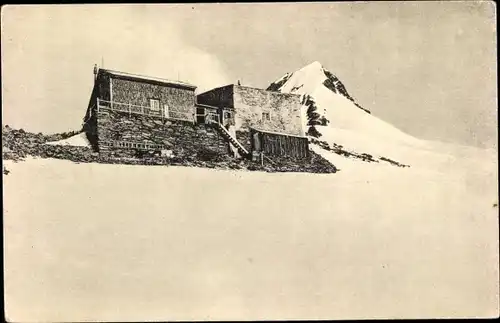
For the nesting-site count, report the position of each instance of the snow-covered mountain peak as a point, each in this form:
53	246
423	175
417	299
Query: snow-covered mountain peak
331	115
308	79
314	67
301	81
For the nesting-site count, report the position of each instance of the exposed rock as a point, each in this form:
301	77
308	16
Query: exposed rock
393	162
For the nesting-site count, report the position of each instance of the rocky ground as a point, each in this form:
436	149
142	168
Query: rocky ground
18	144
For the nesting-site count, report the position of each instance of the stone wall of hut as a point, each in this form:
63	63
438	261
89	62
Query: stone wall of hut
284	110
182	138
180	101
250	104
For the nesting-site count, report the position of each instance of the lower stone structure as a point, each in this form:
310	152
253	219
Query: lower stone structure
121	134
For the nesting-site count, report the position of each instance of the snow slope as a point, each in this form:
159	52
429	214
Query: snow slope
349	124
79	140
96	242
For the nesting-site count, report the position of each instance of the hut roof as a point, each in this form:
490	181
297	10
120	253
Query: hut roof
148	79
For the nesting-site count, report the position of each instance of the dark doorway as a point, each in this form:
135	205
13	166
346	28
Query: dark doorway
200	115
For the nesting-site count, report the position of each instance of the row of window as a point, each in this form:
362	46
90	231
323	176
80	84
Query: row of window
123	144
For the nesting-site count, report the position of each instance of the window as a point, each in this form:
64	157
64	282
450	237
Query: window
154	104
165	110
266	116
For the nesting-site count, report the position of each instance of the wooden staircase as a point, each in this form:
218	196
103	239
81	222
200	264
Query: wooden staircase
242	150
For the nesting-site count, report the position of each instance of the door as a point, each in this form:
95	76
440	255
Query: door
227	118
256	141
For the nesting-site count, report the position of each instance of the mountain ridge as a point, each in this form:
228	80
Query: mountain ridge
331	82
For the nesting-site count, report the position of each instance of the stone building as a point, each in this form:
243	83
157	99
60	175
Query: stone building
264	121
131	115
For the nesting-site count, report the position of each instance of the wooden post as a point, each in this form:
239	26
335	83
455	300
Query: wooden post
262	159
98	104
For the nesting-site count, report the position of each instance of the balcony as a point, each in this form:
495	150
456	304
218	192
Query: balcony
143	110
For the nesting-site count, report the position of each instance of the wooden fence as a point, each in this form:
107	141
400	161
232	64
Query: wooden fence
276	144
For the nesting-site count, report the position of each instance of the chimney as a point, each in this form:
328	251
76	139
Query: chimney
95	72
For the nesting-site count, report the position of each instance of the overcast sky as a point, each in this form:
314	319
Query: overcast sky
429	68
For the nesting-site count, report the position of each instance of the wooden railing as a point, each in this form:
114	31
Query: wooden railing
143	110
241	149
211	117
262	157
